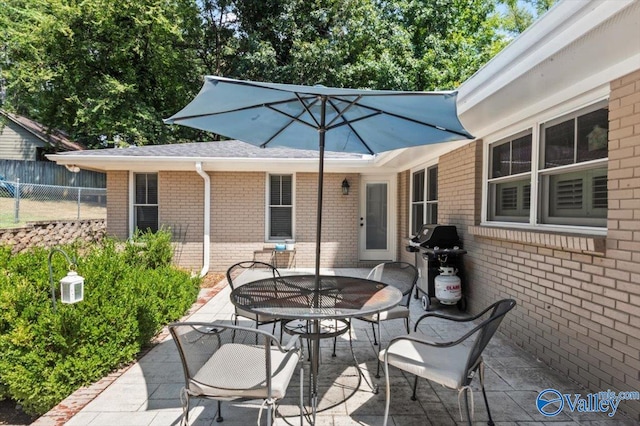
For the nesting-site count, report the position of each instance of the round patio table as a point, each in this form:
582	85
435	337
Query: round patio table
313	299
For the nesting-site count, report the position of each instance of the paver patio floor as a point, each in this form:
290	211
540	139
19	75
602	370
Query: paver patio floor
148	392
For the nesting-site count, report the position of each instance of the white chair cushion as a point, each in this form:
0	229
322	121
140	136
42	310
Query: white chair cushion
393	313
446	366
238	371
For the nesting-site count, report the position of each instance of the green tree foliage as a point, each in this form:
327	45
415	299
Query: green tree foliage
108	71
409	45
518	15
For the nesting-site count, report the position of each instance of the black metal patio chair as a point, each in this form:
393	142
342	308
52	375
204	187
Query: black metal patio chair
402	276
452	364
225	362
243	272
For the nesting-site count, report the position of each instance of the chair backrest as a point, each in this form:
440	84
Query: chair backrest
250	270
487	328
401	275
199	343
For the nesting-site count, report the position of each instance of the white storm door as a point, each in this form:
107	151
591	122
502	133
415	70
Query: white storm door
377	219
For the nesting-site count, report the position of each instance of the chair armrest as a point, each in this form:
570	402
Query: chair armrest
442	316
421	339
453	342
453	318
293	343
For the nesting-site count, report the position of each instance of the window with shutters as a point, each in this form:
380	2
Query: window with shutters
510	179
567	166
280	210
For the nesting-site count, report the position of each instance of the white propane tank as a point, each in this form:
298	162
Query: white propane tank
448	286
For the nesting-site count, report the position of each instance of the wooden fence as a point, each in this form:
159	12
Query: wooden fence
50	173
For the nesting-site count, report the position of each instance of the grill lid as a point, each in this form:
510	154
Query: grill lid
442	236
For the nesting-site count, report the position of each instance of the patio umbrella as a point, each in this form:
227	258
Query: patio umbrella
323	118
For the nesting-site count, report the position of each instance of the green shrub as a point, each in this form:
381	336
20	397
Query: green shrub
131	291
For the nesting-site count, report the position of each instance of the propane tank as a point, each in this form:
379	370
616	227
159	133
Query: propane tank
448	286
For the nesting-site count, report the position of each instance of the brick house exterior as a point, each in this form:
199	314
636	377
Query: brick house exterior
578	300
578	292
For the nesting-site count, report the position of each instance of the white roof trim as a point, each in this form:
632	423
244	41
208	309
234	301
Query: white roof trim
566	22
573	51
158	163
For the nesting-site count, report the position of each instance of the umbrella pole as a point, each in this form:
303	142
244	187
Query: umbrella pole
322	130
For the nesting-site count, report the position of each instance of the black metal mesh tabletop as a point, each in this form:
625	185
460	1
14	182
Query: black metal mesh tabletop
296	297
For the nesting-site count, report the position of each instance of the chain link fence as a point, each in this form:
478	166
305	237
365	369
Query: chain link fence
28	202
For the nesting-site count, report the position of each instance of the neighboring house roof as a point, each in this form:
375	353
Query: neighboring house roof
55	138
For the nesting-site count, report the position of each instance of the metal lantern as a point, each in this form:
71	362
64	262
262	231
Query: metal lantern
345	187
71	288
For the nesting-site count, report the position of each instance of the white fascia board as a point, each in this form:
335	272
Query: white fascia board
566	22
100	163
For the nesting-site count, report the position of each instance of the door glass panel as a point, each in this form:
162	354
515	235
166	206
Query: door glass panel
376	227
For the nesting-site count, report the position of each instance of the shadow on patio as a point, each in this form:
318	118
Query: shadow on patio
148	392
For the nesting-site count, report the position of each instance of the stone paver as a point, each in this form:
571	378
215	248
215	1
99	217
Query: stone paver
147	392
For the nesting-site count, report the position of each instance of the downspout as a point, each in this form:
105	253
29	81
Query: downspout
207	220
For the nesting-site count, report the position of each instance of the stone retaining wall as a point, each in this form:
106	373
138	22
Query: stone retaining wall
49	234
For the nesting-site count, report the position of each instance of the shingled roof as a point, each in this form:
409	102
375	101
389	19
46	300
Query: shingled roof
218	149
56	138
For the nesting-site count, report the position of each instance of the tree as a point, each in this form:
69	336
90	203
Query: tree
411	45
518	15
108	71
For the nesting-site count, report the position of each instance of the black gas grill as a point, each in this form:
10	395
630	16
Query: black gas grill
436	246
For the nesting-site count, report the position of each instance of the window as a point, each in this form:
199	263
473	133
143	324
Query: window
424	198
145	207
280	207
570	177
574	168
510	179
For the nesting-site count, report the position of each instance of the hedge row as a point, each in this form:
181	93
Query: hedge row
131	291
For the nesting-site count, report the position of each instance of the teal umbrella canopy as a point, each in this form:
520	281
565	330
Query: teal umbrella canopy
323	118
352	120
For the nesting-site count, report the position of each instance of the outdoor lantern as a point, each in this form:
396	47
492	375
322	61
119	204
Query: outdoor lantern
345	187
71	288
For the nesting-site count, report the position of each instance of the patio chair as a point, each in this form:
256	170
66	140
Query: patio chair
403	276
222	362
243	272
452	364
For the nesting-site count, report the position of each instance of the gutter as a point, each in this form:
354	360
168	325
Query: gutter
207	220
562	25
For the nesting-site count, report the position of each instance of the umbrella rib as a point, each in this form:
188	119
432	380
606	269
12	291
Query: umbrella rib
412	120
292	117
347	122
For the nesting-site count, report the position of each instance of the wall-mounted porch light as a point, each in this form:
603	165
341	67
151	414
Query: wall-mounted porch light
345	187
71	286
